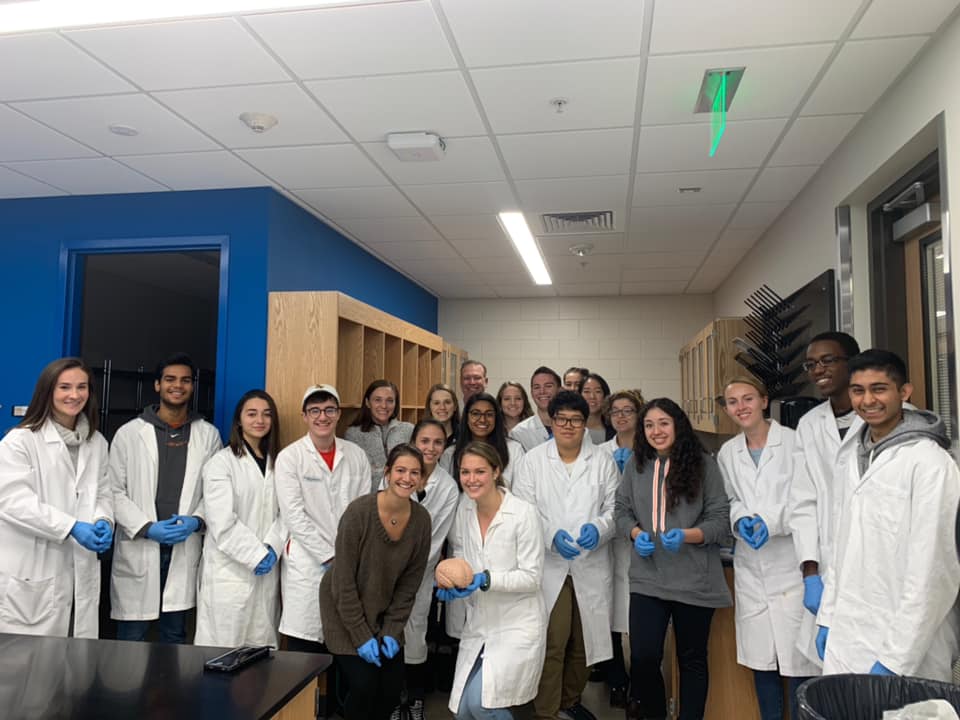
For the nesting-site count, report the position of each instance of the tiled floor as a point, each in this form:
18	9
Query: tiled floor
595	698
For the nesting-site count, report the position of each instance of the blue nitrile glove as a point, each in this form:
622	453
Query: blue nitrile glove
460	593
390	647
745	530
563	544
880	669
445	595
822	633
186	525
104	531
589	537
84	533
644	545
760	532
620	457
266	565
812	593
164	531
672	539
370	651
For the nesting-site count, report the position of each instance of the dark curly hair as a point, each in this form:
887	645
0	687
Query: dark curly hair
497	437
686	456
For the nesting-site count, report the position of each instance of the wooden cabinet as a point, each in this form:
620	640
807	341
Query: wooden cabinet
706	362
451	361
328	337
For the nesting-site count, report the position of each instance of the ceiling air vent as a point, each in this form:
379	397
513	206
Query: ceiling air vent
571	223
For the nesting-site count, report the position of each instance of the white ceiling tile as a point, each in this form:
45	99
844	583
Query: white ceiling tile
781	184
15	185
465	160
657	274
517	276
885	18
605	244
587	152
524	290
404	251
716	187
860	74
371	107
88	176
654	220
692	25
705	284
575	195
686	242
217	111
182	54
197	171
439	266
811	140
55	69
467	227
756	215
451	279
588	289
360	40
774	82
653	288
462	198
494	245
507	263
672	148
501	32
392	229
26	139
315	166
594	268
88	119
738	239
601	93
451	290
639	260
360	202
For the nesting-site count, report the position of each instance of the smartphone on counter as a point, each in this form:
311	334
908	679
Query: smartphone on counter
237	658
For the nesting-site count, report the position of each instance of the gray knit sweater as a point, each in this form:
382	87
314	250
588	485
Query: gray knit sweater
377	443
370	589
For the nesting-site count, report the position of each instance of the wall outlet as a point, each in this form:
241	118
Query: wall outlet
19	410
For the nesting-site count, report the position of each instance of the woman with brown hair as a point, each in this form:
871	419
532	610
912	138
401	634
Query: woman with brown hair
56	509
441	405
377	430
514	404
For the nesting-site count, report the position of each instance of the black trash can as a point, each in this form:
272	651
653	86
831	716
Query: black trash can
866	697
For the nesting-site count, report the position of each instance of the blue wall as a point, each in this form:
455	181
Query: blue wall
272	245
306	254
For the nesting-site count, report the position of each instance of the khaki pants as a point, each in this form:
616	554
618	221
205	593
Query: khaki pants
565	664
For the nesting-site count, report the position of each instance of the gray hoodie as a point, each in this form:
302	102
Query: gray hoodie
172	446
915	424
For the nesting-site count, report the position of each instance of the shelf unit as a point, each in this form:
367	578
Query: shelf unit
706	362
329	337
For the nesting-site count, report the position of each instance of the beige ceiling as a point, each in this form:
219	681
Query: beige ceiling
480	73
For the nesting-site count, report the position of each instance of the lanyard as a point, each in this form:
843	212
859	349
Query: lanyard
660	496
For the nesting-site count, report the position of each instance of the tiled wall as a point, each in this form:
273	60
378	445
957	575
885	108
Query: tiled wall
630	341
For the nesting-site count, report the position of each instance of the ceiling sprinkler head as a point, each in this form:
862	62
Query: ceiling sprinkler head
559	104
258	122
581	249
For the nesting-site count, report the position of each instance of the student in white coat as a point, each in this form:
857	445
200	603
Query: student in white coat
155	465
499	535
758	467
439	495
316	478
535	430
815	498
573	485
377	430
56	509
889	599
622	410
239	596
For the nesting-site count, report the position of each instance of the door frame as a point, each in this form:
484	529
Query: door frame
73	254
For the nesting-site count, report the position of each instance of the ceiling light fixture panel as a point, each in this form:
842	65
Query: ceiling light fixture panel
515	225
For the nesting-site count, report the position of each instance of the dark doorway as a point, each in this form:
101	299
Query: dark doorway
137	308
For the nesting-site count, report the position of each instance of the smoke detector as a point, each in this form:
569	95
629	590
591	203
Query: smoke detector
258	122
417	146
581	249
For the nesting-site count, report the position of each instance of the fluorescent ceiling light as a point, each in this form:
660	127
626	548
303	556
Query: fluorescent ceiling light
51	14
516	227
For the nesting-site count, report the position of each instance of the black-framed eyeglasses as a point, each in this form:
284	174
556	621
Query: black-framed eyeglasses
482	415
824	362
623	412
565	421
329	411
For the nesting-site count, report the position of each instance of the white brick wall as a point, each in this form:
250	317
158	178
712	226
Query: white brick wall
630	341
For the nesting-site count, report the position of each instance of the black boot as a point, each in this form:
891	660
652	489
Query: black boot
632	710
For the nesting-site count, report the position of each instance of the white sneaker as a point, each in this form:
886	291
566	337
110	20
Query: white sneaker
416	710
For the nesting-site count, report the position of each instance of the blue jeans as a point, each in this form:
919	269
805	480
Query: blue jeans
471	706
173	625
769	686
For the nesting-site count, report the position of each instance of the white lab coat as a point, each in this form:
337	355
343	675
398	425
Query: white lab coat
44	573
568	502
622	547
531	432
234	606
767	582
135	576
890	593
815	501
312	497
441	502
508	621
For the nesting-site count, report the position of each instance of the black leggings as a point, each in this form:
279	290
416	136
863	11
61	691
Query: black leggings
648	627
373	691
